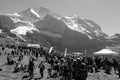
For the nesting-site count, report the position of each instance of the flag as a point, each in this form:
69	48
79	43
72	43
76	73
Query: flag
65	52
50	50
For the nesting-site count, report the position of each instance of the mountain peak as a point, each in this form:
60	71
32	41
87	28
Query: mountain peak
35	12
43	8
74	16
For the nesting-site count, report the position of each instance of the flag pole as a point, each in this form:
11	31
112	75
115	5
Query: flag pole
85	53
17	45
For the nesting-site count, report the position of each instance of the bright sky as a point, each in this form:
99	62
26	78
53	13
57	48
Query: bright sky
106	13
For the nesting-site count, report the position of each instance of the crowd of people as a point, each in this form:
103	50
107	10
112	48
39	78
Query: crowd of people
56	65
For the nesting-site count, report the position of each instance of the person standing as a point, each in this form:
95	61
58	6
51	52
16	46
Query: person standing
8	59
119	69
115	65
41	68
31	68
45	72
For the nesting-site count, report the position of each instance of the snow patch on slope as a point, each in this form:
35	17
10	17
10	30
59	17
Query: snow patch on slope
73	25
34	12
22	30
90	37
16	14
57	17
29	24
12	14
88	23
15	20
73	16
112	37
82	28
97	32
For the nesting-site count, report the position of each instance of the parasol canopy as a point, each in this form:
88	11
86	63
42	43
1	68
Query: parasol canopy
105	52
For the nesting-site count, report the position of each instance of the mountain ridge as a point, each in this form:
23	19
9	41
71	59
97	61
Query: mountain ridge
40	25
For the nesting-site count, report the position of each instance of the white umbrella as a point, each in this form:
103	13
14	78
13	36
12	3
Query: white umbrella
106	52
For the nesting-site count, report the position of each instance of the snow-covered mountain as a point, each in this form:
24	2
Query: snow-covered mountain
114	40
40	25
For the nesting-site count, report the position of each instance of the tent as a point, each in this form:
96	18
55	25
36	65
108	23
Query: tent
106	52
77	53
33	45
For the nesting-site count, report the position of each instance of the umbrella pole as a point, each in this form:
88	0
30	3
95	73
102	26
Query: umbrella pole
85	53
85	56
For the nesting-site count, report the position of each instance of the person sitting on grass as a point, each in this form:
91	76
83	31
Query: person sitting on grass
9	60
18	67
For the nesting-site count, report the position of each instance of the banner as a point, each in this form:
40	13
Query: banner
50	50
33	45
65	52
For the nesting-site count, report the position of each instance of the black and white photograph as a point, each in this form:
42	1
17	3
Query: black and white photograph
59	39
